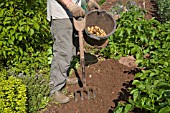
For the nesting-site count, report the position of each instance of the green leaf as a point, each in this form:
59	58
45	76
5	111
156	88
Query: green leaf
139	27
119	110
121	32
37	26
11	9
20	38
138	56
27	28
142	38
4	53
7	19
136	82
152	74
12	31
128	31
168	101
138	61
135	95
31	32
166	70
128	107
146	40
10	42
165	110
12	38
153	33
21	28
133	50
0	28
49	60
0	43
2	12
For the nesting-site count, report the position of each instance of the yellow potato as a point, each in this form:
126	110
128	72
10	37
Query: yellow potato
97	33
96	30
96	27
88	28
101	30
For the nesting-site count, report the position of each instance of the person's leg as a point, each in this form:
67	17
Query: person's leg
63	51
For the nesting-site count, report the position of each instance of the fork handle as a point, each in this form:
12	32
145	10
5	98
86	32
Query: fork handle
82	58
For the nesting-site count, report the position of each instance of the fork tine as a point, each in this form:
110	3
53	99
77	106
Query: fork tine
87	91
88	94
81	95
75	96
94	94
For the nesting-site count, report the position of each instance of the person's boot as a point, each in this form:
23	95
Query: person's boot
60	97
72	81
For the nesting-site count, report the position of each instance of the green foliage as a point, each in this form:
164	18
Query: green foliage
26	50
24	32
12	94
37	63
137	36
163	9
37	92
134	36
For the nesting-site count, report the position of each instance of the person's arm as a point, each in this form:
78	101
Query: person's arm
75	9
65	2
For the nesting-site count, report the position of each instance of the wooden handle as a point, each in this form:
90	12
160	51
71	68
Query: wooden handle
81	45
82	59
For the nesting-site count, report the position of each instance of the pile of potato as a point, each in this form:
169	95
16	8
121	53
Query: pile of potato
96	30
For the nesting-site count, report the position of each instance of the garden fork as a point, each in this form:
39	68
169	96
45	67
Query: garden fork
79	25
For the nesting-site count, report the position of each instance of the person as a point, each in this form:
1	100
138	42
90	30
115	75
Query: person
60	14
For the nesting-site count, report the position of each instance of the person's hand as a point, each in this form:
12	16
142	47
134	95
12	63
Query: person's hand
93	5
76	10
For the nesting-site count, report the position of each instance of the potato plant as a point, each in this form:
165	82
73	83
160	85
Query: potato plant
139	37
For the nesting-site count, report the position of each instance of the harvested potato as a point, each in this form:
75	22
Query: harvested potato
96	30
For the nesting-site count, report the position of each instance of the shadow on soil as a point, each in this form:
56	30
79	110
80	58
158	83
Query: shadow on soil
124	95
89	59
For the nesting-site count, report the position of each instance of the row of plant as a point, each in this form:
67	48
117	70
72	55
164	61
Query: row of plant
149	42
25	56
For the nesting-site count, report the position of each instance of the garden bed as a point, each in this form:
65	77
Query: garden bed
109	78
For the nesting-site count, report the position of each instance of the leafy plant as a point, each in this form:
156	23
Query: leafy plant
25	43
37	92
12	94
24	33
139	37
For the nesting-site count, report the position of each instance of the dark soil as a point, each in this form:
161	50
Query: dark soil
108	78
